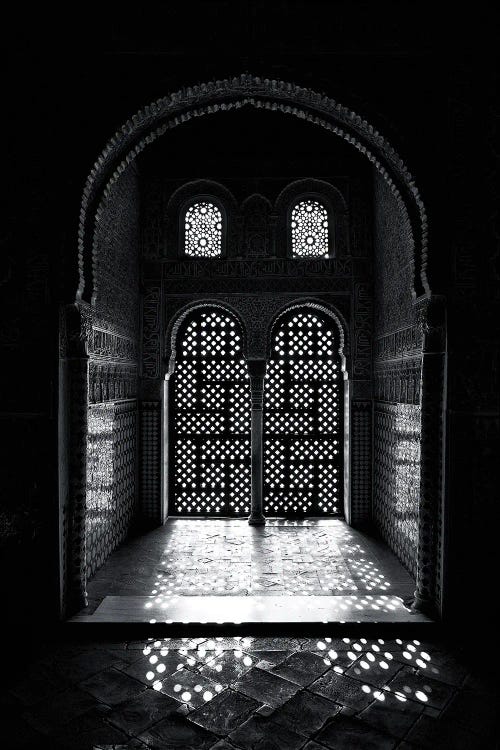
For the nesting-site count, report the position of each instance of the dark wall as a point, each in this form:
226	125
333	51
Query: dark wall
428	85
473	295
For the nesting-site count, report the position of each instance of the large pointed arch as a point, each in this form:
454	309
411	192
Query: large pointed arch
156	119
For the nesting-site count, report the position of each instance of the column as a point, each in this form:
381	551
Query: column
257	370
76	581
74	337
433	321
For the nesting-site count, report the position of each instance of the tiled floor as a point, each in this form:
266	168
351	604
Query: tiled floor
243	693
201	557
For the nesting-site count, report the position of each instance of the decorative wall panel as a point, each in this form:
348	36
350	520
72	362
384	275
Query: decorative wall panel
396	491
111	479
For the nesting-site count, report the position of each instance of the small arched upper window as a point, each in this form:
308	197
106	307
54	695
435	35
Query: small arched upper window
203	228
309	229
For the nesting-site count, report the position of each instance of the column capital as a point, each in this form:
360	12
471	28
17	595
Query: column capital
257	368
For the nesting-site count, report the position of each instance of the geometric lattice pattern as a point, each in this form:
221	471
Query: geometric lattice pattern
111	479
303	419
150	465
203	230
309	230
361	462
396	491
211	425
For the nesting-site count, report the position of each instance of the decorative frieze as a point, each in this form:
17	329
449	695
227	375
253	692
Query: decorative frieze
151	331
362	333
111	382
398	381
255	267
407	342
111	346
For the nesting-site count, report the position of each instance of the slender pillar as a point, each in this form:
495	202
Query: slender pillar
433	322
78	435
74	343
257	370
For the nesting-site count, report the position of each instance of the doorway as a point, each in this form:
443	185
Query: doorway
209	430
210	426
303	418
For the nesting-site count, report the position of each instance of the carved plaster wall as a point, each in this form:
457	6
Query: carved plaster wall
397	382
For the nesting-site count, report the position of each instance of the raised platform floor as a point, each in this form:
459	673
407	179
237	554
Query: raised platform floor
225	571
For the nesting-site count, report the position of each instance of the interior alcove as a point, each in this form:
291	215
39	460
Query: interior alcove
243	153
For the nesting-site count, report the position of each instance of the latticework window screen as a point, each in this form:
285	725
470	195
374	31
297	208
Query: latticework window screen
309	229
211	419
303	419
203	230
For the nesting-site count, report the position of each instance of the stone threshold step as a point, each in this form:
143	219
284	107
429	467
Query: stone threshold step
250	610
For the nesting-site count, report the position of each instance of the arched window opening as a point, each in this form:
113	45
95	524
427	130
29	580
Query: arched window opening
203	230
309	229
210	452
303	418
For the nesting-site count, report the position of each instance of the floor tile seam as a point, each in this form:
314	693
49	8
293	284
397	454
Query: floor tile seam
356	716
266	671
388	689
226	690
106	669
155	722
411	728
430	676
105	722
384	731
328	721
343	674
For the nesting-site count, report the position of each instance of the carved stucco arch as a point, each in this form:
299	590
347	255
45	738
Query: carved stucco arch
154	120
326	310
175	323
297	187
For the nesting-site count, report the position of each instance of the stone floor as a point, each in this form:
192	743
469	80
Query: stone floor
227	557
247	693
